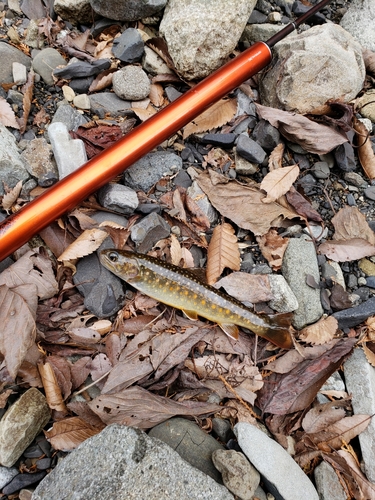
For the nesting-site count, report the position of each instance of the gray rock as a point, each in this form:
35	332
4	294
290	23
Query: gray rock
172	93
80	69
19	73
38	156
327	483
129	47
199	37
345	158
245	105
259	32
219	140
222	429
82	101
74	11
118	198
46	61
127	10
285	300
355	179
360	383
312	84
69	116
12	165
359	20
148	231
131	83
154	64
81	85
15	97
347	318
321	170
33	9
250	150
239	476
190	442
244	167
104	216
299	261
267	136
108	103
123	463
6	475
103	291
147	171
21	423
9	55
69	153
200	198
370	193
22	481
33	38
280	473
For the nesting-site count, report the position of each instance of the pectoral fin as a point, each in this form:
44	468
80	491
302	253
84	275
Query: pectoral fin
190	314
230	329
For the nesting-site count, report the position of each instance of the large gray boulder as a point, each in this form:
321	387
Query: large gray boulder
324	62
359	20
202	33
127	10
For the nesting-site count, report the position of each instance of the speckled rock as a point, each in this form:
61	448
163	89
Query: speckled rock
127	10
9	55
38	156
359	21
131	83
12	165
74	11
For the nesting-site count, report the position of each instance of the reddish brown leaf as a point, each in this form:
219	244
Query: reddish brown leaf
222	252
27	90
323	415
67	434
156	94
350	223
302	206
51	387
347	250
11	196
367	488
41	118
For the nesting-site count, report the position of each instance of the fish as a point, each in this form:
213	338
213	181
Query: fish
181	289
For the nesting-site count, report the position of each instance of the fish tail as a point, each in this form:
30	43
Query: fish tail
279	330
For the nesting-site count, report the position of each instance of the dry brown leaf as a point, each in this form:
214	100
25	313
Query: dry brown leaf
275	159
320	332
367	488
27	90
7	116
51	387
321	416
137	407
67	434
370	355
215	116
247	287
347	250
350	223
302	206
176	251
10	197
312	136
85	336
278	182
102	80
222	252
273	247
17	319
89	241
156	94
242	204
41	118
144	114
365	152
343	431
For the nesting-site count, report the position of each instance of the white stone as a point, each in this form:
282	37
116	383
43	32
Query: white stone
359	21
68	93
19	73
285	300
82	101
69	153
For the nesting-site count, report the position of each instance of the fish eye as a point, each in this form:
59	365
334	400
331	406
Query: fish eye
113	256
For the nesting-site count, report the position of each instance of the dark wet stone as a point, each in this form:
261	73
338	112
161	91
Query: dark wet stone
23	481
266	135
44	445
44	463
81	85
101	25
355	315
148	231
257	17
82	69
321	170
183	179
129	47
370	193
363	293
250	150
352	281
219	140
344	156
308	183
149	208
351	200
33	451
187	155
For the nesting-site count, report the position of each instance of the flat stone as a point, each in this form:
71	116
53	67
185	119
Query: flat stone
190	44
69	153
9	55
108	103
370	193
6	475
347	318
33	9
360	383
38	156
81	69
285	300
280	473
147	171
68	93
267	136
46	61
82	101
12	165
129	47
23	481
118	198
299	261
250	150
219	140
239	476
74	11
19	73
321	170
259	32
355	179
327	483
127	10
81	85
149	231
123	463
131	83
190	442
21	423
69	116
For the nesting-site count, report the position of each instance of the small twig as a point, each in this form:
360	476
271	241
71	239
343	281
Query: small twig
231	389
94	383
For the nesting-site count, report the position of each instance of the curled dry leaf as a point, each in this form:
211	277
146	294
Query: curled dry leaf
302	206
156	94
27	90
343	431
217	115
67	434
247	287
320	332
273	247
10	197
51	387
222	252
144	114
312	136
275	159
89	241
102	80
367	488
365	152
278	182
7	116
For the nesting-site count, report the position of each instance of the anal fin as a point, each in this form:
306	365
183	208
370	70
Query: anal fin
190	314
230	329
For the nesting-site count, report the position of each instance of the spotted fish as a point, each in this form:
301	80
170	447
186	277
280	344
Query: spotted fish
180	288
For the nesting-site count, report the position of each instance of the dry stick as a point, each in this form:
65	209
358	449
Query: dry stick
231	389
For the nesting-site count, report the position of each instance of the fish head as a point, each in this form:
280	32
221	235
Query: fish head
122	263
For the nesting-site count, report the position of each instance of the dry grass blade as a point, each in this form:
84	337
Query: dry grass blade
67	434
216	116
278	182
7	116
89	241
51	388
11	197
365	153
222	252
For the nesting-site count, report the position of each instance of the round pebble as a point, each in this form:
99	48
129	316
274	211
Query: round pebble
131	83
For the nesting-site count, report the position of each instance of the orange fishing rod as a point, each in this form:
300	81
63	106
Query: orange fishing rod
70	191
